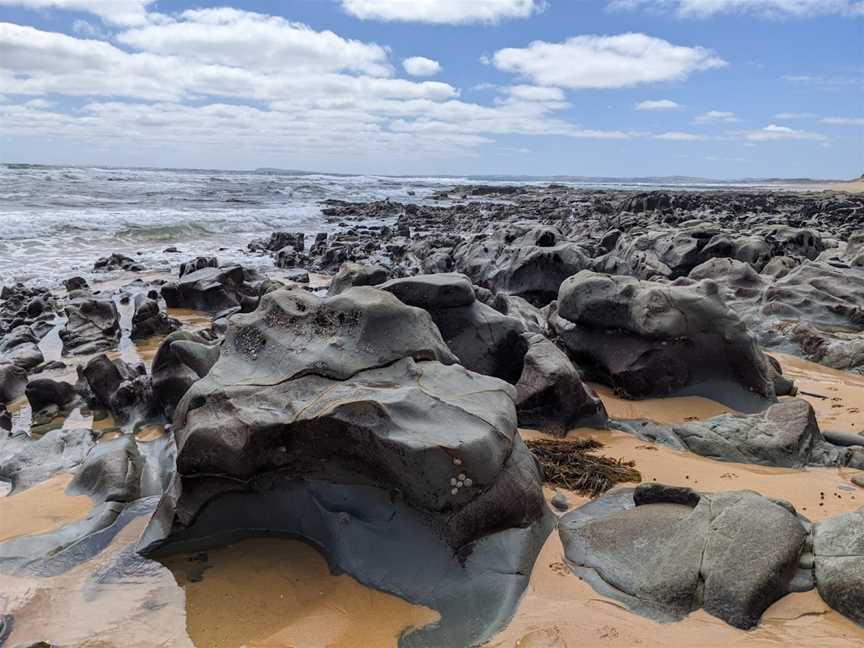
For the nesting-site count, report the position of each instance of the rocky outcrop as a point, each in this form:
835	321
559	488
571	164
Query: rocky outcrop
521	260
345	421
123	389
213	290
182	359
649	339
733	554
838	548
355	274
550	394
13	380
484	340
92	325
786	434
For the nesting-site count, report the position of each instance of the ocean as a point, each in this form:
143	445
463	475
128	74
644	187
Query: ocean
55	222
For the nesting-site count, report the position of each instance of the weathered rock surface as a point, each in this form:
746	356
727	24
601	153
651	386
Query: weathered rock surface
93	325
550	394
523	260
786	434
213	290
733	554
182	359
649	339
342	400
838	547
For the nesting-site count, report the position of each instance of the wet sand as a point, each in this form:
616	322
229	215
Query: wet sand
841	408
559	610
41	508
279	593
803	488
678	409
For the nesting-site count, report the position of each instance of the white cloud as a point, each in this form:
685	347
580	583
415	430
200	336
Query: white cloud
255	41
421	66
535	93
824	80
675	136
89	30
843	121
772	133
794	115
117	12
772	8
605	61
657	104
442	11
716	116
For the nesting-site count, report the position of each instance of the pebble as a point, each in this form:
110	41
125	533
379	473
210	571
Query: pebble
858	480
559	501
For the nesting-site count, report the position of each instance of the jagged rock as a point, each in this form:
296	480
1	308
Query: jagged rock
819	294
148	319
529	262
432	291
838	546
550	394
198	263
117	262
182	359
346	400
734	554
117	386
25	462
212	290
786	434
354	274
92	325
13	380
45	392
649	339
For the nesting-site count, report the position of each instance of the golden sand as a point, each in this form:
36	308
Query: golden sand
678	409
559	610
279	593
839	399
41	508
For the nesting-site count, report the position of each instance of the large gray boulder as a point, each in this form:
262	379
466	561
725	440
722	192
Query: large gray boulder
13	380
550	394
786	434
648	339
838	548
484	340
344	420
212	289
93	325
356	274
522	260
733	554
182	359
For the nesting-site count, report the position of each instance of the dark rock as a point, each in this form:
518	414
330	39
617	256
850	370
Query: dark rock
838	546
648	339
13	380
355	274
44	392
550	394
734	554
212	290
117	262
198	263
92	325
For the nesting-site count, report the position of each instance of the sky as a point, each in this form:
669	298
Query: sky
708	88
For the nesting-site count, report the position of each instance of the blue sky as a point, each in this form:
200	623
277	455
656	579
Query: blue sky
713	88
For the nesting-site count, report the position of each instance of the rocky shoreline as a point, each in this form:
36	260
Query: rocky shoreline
366	396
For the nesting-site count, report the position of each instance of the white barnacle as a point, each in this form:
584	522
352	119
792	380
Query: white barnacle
453	481
457	461
454	491
469	481
460	484
462	476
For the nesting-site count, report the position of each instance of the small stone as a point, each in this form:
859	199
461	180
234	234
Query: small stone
858	480
559	501
457	461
